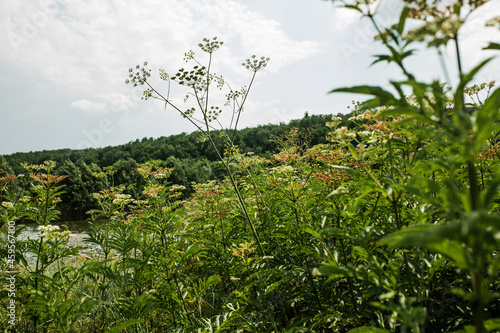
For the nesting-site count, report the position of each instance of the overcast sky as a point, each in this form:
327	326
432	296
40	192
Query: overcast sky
63	63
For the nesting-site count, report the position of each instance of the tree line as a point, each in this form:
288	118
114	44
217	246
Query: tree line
193	160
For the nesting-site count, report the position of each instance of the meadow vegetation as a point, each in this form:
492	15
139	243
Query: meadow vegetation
390	226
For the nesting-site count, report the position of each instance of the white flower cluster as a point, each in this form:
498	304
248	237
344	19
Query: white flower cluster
52	232
122	199
176	187
282	169
160	176
343	132
334	123
48	228
365	133
364	116
8	204
339	190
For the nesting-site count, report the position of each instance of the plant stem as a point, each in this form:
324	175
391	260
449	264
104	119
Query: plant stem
344	255
477	303
473	185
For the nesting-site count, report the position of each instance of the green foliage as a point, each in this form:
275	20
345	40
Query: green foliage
391	226
193	162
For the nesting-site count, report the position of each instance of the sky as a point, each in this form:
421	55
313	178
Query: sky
63	63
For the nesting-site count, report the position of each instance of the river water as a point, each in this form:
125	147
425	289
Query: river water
77	228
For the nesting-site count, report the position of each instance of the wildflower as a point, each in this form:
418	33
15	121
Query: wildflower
244	249
51	232
339	190
122	199
160	176
8	204
153	190
342	130
122	196
97	196
364	133
177	188
48	228
140	202
283	169
334	123
47	179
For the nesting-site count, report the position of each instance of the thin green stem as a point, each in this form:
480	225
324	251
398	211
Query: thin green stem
344	255
240	108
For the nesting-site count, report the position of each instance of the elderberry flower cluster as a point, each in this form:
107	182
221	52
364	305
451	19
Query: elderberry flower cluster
122	199
8	204
52	232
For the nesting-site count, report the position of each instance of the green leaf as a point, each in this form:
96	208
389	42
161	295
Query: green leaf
353	151
354	7
432	237
333	271
368	329
383	96
214	279
492	46
402	20
489	194
487	116
381	57
124	325
469	76
492	324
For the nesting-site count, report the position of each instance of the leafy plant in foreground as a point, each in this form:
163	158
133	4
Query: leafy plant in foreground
463	227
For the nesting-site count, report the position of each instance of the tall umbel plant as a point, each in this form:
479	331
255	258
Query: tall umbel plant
465	225
200	81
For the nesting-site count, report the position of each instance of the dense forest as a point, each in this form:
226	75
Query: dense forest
192	160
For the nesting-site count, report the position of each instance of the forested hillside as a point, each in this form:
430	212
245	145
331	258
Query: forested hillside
192	160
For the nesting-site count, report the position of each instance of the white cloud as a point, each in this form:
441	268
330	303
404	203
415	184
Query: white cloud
121	101
85	45
86	105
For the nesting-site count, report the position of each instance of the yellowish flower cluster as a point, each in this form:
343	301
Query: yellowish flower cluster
244	249
176	187
153	190
52	232
282	169
8	205
122	199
